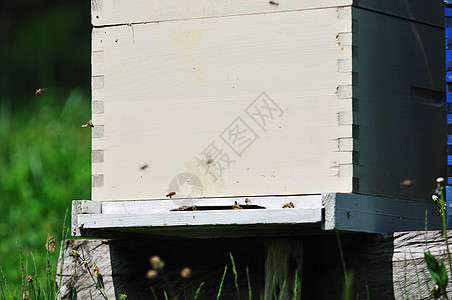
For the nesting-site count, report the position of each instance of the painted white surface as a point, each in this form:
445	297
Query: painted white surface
108	12
171	89
198	218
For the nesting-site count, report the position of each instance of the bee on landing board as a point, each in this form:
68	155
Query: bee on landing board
88	123
40	91
236	205
289	205
171	194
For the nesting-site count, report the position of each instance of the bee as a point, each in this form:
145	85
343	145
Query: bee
171	194
40	91
144	167
247	201
289	205
236	205
273	3
88	123
407	182
209	161
180	208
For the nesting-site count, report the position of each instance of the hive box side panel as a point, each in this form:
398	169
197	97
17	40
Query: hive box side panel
401	117
244	105
121	12
424	11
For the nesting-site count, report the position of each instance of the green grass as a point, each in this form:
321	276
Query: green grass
44	164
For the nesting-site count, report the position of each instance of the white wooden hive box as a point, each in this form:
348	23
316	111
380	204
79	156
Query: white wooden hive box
249	98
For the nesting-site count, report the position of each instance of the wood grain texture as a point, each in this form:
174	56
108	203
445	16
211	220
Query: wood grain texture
120	12
387	266
124	265
175	90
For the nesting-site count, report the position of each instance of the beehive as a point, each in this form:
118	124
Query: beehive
256	98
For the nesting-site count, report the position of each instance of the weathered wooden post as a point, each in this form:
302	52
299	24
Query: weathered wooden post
258	124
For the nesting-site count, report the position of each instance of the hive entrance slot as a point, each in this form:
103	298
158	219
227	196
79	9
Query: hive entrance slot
212	207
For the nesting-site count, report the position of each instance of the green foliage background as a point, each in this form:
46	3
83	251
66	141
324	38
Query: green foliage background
44	153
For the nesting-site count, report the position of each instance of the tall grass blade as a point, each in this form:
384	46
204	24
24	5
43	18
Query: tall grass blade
281	293
5	282
236	276
417	275
64	234
274	288
166	296
250	293
342	256
296	286
154	294
198	291
368	294
221	283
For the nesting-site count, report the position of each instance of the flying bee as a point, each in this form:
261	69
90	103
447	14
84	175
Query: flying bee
273	3
144	167
88	123
236	205
171	194
40	91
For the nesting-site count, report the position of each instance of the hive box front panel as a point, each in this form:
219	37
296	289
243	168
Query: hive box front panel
257	104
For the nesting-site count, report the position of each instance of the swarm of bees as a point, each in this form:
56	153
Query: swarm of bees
289	205
171	194
88	123
236	205
40	91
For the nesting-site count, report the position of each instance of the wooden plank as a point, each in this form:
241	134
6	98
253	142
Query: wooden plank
197	218
401	142
383	266
120	12
363	213
125	263
174	91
